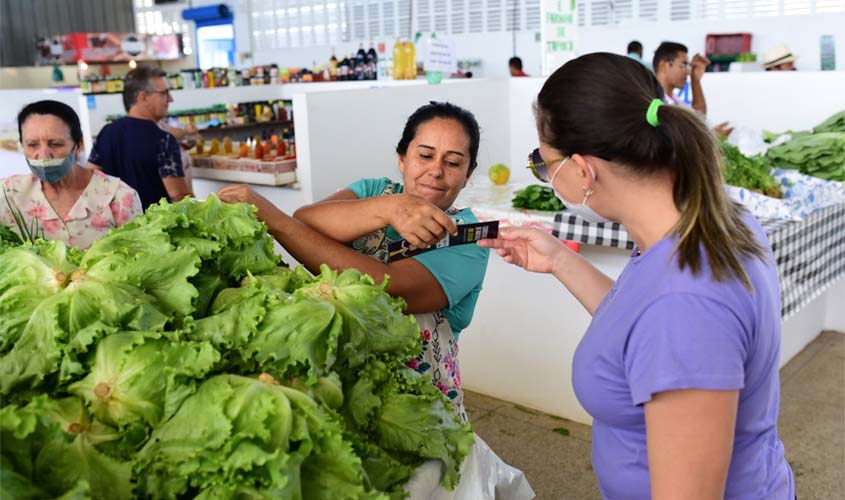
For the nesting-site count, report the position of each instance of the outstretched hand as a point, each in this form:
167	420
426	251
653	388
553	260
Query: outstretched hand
528	248
242	193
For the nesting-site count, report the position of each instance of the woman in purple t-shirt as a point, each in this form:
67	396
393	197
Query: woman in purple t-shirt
679	367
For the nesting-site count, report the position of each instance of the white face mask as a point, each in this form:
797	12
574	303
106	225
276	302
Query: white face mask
579	209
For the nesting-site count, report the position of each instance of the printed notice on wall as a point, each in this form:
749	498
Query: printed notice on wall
440	56
559	33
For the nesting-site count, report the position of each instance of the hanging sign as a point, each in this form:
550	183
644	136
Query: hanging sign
440	56
559	33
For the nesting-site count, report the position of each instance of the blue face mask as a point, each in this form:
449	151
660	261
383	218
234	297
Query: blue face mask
52	170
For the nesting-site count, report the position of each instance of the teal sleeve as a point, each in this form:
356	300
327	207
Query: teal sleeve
367	188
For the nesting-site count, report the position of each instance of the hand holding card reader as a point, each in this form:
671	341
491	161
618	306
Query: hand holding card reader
467	233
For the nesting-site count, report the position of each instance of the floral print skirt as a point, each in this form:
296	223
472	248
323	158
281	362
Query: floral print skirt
439	358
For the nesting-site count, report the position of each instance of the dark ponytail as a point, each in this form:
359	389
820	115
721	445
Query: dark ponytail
596	105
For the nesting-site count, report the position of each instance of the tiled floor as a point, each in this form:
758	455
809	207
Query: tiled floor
554	453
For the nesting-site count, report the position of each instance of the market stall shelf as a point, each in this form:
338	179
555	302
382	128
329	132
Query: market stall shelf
262	178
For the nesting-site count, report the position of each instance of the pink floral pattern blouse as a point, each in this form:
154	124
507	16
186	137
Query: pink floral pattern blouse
105	203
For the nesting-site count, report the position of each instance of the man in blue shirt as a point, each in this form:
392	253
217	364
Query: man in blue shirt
135	149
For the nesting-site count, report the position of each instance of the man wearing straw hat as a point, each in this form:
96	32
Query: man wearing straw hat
779	58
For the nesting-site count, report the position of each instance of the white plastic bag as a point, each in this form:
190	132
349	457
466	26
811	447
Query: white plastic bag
484	476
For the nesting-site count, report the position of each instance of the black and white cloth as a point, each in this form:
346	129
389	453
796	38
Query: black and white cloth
810	253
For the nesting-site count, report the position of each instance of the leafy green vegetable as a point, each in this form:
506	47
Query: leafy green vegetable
821	155
836	123
152	332
141	377
255	434
372	320
28	275
537	197
55	445
749	172
8	238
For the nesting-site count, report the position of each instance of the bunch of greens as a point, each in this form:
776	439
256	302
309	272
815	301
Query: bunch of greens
749	172
176	359
836	123
26	232
821	155
537	197
8	238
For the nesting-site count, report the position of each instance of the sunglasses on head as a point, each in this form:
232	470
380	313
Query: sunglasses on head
540	167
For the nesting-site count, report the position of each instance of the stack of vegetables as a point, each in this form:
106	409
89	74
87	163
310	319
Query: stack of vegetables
820	154
537	197
176	359
835	123
752	172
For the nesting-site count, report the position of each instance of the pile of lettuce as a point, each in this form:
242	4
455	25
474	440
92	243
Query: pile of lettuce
176	358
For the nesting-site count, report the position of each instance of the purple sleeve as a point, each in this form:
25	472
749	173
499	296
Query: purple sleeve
685	341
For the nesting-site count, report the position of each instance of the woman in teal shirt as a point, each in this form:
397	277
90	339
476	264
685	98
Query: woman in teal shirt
351	229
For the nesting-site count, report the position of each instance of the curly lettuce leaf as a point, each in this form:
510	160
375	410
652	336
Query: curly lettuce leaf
234	318
373	322
295	337
69	324
28	275
54	444
142	378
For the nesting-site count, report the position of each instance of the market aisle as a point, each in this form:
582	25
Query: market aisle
554	453
812	417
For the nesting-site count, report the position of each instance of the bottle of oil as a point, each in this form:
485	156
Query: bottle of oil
398	67
409	60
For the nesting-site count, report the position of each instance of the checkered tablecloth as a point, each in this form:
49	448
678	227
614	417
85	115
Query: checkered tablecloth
810	253
570	227
810	256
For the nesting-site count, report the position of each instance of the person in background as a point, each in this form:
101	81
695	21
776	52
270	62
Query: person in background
352	228
672	67
679	365
635	52
135	149
61	200
515	66
779	58
187	138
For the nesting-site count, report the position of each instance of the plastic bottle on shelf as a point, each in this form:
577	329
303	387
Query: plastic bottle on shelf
372	62
397	72
333	67
410	60
360	63
343	69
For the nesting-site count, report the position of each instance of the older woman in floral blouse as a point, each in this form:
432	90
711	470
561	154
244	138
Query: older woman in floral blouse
59	199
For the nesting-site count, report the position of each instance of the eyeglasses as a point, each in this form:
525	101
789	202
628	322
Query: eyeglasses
684	65
165	92
540	167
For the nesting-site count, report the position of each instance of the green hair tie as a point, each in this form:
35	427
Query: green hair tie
651	114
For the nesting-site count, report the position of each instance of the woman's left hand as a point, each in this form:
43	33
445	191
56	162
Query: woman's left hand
242	193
